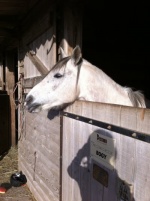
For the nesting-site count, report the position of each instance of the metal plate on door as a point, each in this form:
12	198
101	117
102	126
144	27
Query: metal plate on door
100	175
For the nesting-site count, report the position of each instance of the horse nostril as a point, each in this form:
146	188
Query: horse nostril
29	99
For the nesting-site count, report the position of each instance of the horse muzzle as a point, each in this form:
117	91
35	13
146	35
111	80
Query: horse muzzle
31	106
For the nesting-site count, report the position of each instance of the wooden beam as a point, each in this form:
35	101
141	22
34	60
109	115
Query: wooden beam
1	83
10	83
31	82
1	72
38	64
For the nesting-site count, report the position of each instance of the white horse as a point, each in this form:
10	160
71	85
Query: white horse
74	78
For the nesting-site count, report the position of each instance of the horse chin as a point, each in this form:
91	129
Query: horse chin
60	107
57	107
35	108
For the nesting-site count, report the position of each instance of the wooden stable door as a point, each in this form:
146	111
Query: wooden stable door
4	122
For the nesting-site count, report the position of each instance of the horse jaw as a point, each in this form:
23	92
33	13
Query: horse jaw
39	103
54	107
48	106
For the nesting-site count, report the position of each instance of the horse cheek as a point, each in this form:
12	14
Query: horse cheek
54	87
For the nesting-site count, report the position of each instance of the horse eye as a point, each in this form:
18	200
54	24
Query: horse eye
57	75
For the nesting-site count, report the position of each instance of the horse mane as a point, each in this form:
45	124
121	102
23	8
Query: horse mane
137	98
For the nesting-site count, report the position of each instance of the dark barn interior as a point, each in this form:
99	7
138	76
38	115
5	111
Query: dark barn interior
13	17
116	39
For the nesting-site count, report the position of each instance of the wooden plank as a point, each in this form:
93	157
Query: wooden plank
20	97
45	49
38	64
31	82
131	159
1	73
39	155
136	119
39	146
36	166
75	174
1	83
10	83
35	186
142	179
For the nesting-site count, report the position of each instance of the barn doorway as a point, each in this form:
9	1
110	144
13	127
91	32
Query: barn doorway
8	97
116	39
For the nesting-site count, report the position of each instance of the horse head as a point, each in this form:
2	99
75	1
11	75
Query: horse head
59	87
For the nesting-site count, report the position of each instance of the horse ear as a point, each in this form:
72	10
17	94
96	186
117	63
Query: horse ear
62	53
76	55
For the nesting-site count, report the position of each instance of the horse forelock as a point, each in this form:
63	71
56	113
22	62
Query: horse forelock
61	63
137	98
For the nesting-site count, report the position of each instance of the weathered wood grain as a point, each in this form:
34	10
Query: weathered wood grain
39	144
38	64
131	155
10	84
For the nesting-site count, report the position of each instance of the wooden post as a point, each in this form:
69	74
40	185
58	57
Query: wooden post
1	73
72	29
38	64
10	83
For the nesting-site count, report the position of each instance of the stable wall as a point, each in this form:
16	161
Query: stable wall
112	164
39	134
